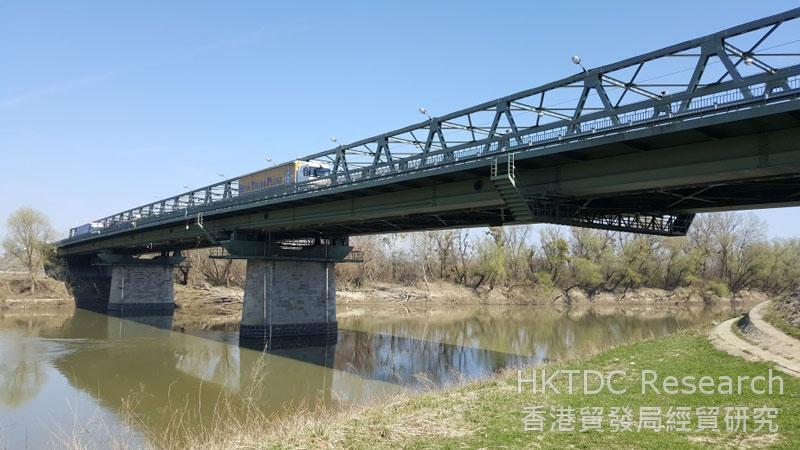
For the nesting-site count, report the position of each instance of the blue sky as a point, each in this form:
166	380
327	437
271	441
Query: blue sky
107	105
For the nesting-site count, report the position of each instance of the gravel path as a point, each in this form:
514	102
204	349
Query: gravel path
773	338
765	342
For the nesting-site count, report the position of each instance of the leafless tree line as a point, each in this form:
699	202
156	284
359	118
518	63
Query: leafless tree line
724	252
198	269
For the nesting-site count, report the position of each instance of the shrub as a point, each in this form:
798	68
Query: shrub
717	287
5	292
544	279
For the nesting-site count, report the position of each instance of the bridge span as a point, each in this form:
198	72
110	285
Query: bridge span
640	145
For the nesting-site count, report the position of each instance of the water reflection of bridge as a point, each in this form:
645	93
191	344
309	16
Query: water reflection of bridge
158	373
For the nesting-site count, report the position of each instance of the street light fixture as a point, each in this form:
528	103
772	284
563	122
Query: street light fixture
577	61
424	112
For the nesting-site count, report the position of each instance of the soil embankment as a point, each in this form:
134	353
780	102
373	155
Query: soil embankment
448	293
220	308
49	290
754	339
213	307
15	291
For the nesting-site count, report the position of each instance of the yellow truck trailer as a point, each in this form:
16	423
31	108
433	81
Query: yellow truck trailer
282	175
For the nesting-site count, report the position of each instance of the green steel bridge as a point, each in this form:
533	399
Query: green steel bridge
640	145
611	147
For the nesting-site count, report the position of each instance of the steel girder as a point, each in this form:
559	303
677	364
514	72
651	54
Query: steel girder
565	213
730	70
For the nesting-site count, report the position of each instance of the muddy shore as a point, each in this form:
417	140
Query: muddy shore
212	307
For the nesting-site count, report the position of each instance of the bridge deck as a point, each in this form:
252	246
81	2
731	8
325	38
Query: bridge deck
445	180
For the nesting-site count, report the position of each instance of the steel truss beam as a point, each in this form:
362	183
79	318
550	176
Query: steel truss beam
662	224
612	99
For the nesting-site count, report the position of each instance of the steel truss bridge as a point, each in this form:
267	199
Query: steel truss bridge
640	145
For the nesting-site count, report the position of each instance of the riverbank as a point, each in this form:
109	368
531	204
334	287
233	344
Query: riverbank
490	413
449	293
15	291
220	308
784	314
753	338
493	413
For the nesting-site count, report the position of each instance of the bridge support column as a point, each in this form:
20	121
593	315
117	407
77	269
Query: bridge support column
289	300
120	284
88	282
141	287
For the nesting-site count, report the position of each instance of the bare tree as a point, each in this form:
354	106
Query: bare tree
198	268
392	243
28	241
463	255
518	252
443	243
371	265
555	251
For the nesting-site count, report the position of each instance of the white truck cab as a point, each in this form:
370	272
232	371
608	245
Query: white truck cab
311	170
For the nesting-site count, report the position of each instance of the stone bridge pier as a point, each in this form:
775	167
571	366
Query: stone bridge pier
290	293
122	285
289	299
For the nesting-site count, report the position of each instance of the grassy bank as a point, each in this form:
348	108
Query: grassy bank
784	314
782	324
490	413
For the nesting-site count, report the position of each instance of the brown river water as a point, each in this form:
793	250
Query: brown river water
71	375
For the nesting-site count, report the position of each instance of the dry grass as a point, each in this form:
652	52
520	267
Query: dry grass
5	292
402	419
207	308
784	314
237	421
15	289
439	292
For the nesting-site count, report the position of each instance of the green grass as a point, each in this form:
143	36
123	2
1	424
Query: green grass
780	323
489	413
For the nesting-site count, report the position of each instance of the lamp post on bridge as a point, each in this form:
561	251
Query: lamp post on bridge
577	61
424	112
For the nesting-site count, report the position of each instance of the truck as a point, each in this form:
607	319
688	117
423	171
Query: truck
285	174
87	228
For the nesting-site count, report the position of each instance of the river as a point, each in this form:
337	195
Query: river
76	376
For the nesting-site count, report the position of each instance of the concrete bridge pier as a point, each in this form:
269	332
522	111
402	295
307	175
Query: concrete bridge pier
88	282
141	287
289	300
290	292
122	285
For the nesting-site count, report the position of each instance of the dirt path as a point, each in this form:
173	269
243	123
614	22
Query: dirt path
781	343
764	342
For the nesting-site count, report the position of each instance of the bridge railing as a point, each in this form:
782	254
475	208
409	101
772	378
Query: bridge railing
530	120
